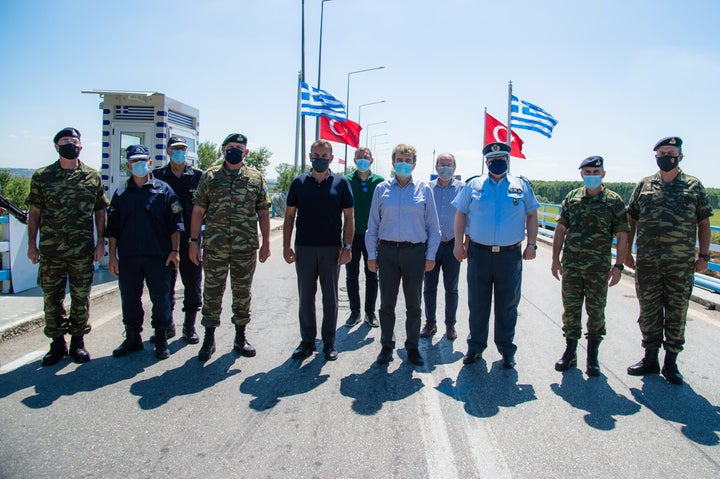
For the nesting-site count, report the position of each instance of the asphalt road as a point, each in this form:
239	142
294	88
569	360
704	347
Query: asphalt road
271	416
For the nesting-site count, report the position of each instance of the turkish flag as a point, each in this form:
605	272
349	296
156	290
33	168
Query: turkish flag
497	132
347	131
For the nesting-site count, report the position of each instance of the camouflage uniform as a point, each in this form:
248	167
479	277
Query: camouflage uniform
67	200
667	216
231	200
592	221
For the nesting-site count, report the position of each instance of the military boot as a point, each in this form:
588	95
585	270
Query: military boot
569	357
647	365
78	351
241	344
188	331
208	346
593	365
132	343
670	369
171	332
58	350
161	346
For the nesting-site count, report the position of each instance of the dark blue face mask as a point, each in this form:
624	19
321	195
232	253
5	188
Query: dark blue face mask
497	167
320	164
234	156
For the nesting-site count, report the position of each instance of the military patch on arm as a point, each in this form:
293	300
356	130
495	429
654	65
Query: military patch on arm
176	207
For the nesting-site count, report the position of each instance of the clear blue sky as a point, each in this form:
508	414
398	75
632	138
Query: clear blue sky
617	75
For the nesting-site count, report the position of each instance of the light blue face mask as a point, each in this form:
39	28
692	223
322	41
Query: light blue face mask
592	182
403	170
445	172
362	164
140	169
178	156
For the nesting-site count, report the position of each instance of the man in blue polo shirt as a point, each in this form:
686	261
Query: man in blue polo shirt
498	208
323	203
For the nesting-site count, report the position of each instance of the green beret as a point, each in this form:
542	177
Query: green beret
65	132
235	138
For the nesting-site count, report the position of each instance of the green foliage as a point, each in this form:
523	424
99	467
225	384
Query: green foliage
14	188
259	159
208	154
285	175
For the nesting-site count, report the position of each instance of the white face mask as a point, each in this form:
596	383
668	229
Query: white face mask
445	172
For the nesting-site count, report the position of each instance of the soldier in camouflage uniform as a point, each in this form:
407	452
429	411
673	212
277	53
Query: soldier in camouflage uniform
231	199
669	210
589	219
64	198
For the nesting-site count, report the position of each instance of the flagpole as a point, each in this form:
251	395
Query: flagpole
297	123
302	77
509	127
482	168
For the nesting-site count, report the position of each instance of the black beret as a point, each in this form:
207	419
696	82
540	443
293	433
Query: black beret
592	161
235	138
65	132
176	140
496	149
669	141
137	152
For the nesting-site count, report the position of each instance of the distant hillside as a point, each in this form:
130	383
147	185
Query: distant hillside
26	172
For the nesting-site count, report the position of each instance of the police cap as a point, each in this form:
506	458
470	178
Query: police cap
494	150
176	140
235	138
675	141
65	132
592	161
137	152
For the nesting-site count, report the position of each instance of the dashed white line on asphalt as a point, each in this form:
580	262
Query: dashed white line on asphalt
13	365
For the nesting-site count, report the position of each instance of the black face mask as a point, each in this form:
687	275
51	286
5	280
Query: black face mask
320	164
69	151
667	162
234	156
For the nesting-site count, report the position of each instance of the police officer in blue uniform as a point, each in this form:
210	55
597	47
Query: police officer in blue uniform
183	178
497	209
144	224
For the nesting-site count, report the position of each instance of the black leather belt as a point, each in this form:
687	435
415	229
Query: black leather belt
445	243
400	244
496	249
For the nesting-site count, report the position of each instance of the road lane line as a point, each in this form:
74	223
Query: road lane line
438	450
22	361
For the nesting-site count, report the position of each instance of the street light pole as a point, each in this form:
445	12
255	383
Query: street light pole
347	100
367	129
322	10
360	112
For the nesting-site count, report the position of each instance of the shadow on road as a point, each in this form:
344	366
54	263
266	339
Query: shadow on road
352	339
375	387
681	404
595	396
289	379
485	392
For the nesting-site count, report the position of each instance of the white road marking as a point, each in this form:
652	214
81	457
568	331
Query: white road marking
13	365
438	450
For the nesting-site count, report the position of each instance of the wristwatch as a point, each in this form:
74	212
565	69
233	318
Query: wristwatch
348	246
192	240
705	256
532	245
619	266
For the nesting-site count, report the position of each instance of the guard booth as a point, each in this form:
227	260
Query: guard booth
142	117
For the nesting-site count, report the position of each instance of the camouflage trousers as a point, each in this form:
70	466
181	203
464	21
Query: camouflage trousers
215	266
663	291
54	274
591	286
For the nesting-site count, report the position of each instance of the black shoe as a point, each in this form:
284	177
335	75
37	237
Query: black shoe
208	346
385	356
188	331
171	332
371	320
78	351
58	350
330	353
670	370
161	346
508	361
352	320
132	343
303	351
428	330
593	365
241	344
647	365
450	333
414	356
569	357
471	357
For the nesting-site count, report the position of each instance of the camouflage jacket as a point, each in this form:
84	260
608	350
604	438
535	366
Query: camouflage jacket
667	215
67	200
592	221
231	200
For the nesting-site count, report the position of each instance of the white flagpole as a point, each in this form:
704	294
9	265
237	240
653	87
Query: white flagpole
509	128
482	169
297	123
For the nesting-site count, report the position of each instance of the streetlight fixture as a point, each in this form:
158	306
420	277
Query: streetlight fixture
322	10
360	112
372	140
347	98
367	129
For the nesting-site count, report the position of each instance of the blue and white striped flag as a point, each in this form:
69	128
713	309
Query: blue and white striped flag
316	102
527	116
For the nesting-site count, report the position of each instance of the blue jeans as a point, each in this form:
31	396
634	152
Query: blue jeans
503	272
450	266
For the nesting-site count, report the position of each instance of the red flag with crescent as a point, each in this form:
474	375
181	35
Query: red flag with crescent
347	131
497	132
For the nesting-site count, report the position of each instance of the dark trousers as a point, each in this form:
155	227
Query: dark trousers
313	263
191	277
503	272
352	276
136	270
450	266
395	264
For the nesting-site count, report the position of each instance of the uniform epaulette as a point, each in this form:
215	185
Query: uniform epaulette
525	180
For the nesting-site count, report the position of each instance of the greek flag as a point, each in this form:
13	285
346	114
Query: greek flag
316	102
527	116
